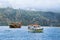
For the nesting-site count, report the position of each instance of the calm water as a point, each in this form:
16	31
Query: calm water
49	33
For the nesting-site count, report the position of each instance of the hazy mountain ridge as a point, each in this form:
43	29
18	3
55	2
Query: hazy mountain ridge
8	15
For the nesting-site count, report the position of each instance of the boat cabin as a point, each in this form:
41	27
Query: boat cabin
33	26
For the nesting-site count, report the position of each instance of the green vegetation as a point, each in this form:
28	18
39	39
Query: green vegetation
8	15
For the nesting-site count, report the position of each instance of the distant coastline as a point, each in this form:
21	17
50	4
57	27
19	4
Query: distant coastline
9	15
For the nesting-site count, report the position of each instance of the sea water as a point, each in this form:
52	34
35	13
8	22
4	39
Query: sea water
49	33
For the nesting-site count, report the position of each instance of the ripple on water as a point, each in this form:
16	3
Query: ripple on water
23	34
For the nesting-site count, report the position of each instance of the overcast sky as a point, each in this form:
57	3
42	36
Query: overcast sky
52	5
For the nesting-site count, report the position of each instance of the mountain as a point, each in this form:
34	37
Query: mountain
8	15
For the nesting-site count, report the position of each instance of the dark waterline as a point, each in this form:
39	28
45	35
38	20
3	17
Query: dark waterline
49	33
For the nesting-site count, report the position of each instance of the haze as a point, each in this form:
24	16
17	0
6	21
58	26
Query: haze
46	5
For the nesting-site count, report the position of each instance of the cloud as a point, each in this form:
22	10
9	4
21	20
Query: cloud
4	3
39	4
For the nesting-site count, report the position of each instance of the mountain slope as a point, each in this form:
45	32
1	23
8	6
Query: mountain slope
8	15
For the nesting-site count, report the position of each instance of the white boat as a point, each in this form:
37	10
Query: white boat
35	28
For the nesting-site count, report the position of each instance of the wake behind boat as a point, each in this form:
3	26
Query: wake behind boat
35	28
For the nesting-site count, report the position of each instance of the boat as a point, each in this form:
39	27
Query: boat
15	25
35	28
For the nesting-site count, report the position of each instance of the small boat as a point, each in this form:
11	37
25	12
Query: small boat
35	28
15	25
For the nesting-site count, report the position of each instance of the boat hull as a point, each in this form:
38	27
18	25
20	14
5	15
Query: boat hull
36	30
12	26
